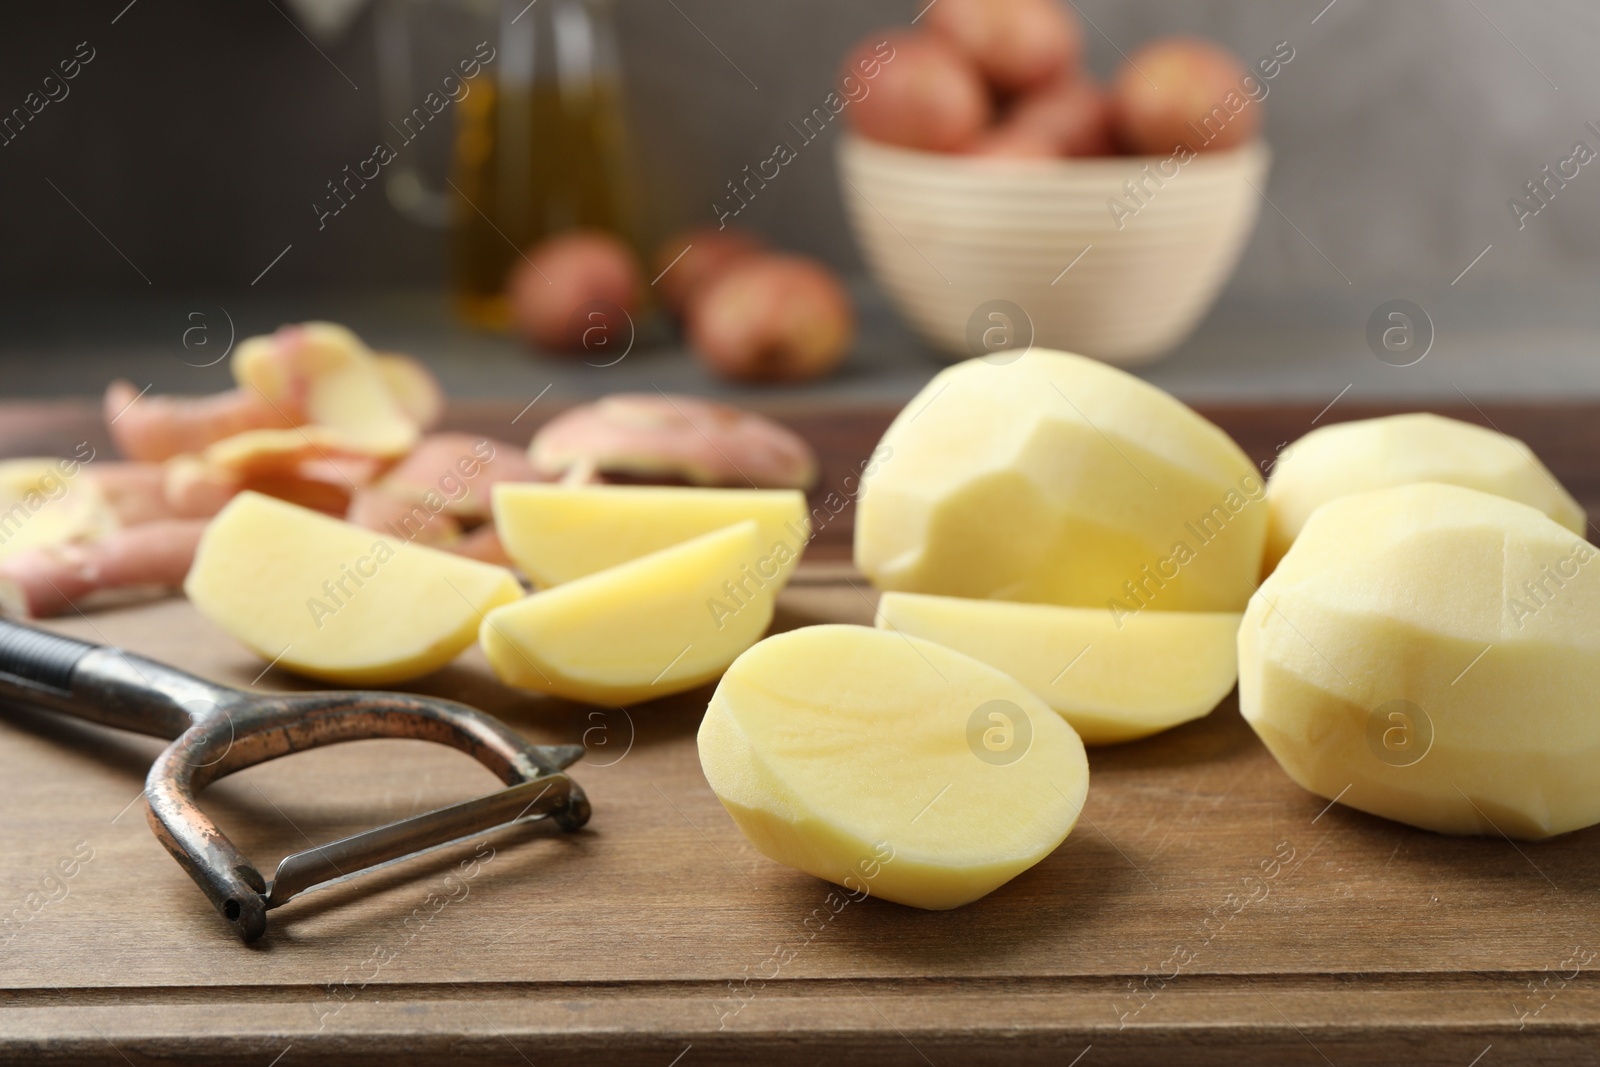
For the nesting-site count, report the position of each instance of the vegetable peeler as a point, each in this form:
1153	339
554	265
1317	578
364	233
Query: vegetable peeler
216	730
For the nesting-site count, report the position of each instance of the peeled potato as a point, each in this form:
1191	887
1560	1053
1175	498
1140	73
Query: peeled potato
774	319
1183	91
890	764
557	533
1016	43
577	292
1354	457
331	600
927	95
1112	679
649	628
1430	654
1052	478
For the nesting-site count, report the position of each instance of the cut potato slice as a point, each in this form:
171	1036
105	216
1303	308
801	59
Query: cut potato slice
1355	457
1050	478
331	600
1431	654
1113	678
889	764
43	502
651	627
556	533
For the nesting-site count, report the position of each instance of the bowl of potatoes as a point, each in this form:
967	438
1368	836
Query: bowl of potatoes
979	257
1002	198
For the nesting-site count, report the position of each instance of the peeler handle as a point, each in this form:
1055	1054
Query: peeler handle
31	658
101	684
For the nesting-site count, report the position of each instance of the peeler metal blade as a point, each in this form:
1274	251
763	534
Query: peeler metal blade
383	845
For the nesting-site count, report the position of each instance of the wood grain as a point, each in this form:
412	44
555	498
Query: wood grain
652	934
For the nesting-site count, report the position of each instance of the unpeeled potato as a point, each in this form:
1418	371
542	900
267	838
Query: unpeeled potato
928	96
1017	44
775	319
1067	118
576	292
688	261
1183	91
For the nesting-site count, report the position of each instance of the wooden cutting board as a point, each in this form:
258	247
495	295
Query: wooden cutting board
1309	933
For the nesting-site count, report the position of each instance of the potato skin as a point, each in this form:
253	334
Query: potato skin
1066	118
563	274
775	319
1017	44
1183	91
927	94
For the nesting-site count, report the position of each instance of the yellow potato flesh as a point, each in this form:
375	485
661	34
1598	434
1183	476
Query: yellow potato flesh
1056	479
657	625
345	390
1113	678
556	533
331	600
47	502
1431	654
870	759
1356	457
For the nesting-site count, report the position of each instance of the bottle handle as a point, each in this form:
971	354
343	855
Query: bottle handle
403	182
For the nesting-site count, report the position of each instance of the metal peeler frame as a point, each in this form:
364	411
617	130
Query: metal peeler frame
216	730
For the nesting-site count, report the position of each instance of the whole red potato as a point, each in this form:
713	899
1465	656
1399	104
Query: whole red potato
1182	91
1067	118
709	252
926	95
1017	44
777	318
576	292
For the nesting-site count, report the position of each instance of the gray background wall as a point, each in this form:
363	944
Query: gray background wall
201	132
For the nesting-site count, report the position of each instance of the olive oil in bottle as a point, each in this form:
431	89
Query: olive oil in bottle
540	147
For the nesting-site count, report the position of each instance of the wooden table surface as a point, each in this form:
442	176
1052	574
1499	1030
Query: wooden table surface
658	936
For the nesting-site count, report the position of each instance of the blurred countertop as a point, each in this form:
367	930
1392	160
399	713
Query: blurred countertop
1541	343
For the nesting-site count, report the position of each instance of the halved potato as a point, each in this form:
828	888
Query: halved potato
648	628
556	533
890	765
331	600
1113	678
